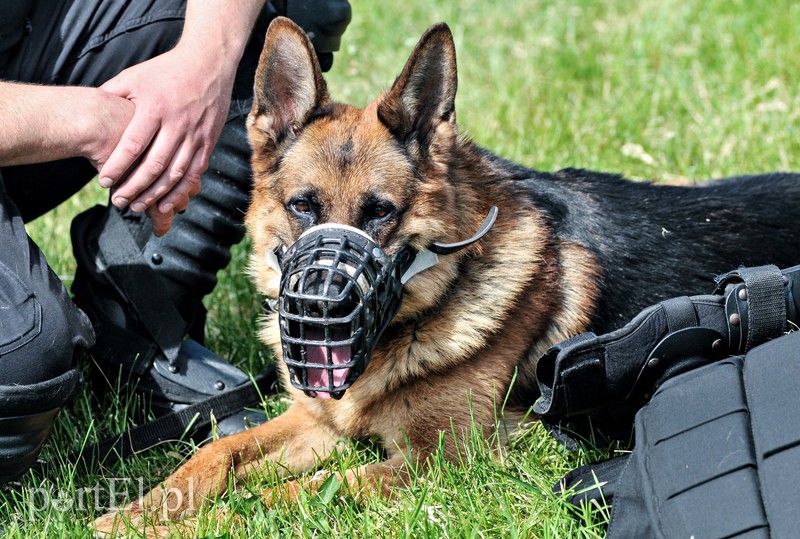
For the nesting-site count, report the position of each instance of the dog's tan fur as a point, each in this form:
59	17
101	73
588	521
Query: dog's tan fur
464	326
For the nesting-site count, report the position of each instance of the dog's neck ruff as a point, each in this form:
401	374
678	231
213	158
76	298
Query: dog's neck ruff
338	292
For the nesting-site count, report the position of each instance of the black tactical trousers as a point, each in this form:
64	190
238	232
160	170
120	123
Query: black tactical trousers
63	43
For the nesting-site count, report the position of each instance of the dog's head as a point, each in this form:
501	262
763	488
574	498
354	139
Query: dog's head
381	171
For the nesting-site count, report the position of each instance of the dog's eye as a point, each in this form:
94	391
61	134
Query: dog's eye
379	210
301	206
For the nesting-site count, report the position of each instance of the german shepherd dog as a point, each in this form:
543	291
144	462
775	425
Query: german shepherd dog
570	251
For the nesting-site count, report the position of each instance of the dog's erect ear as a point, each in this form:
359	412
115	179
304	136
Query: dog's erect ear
424	94
288	85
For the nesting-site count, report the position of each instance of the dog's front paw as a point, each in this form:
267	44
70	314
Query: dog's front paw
290	490
151	523
131	521
165	509
142	518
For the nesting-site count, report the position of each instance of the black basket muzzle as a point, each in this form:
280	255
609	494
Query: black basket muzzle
339	291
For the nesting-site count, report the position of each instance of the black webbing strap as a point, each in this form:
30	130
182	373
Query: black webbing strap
175	425
765	300
136	281
680	313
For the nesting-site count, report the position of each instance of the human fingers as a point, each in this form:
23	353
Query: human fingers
155	163
132	144
175	202
177	171
178	198
161	221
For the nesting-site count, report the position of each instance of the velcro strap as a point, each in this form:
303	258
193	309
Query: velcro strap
680	313
568	375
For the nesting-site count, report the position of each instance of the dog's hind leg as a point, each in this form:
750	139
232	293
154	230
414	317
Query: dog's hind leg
295	441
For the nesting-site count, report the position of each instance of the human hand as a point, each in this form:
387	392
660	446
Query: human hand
105	117
181	104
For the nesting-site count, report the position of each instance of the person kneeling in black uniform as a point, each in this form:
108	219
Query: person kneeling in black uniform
104	86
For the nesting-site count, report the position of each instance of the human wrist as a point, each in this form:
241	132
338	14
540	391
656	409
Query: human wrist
217	28
46	123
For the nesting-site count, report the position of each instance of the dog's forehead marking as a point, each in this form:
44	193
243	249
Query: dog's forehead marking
344	153
347	146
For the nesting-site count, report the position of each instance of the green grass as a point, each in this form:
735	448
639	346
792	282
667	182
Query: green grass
670	90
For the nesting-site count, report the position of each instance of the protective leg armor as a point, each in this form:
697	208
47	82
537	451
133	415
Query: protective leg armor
145	293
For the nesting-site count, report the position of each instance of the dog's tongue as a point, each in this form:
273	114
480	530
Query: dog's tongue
318	355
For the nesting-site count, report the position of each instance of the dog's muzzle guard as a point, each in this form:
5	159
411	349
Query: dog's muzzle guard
338	292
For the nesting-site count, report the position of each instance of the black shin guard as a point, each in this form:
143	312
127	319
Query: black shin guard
198	244
145	294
